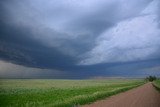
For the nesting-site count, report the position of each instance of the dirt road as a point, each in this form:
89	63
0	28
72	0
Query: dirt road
143	96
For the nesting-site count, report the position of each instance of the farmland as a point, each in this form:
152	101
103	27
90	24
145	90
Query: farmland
59	93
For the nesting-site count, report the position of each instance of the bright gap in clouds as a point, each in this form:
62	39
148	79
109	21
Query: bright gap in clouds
130	40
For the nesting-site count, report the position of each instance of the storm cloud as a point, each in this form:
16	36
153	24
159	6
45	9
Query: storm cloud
81	38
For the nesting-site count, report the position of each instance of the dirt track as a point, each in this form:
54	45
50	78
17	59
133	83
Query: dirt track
143	96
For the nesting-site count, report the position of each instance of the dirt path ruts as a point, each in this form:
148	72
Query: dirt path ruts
143	96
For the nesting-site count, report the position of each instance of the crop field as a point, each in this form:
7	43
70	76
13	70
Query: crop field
59	93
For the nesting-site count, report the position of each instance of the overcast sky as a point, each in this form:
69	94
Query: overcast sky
79	38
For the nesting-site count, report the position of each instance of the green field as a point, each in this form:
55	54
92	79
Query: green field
157	84
59	93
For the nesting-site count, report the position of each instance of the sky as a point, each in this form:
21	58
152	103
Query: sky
78	39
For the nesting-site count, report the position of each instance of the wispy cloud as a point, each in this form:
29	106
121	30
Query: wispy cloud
131	40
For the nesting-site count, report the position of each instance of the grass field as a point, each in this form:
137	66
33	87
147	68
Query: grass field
157	84
59	93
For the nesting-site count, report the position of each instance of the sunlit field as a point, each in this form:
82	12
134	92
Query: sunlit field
59	93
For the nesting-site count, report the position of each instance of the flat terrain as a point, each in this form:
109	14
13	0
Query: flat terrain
59	93
143	96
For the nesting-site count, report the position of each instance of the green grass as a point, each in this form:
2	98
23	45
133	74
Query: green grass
157	84
59	93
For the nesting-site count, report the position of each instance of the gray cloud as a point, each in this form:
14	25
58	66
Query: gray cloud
130	40
60	23
9	70
17	48
79	36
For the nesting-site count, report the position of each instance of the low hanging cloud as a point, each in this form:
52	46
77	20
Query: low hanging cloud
9	70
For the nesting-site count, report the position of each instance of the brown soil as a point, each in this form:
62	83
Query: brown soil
143	96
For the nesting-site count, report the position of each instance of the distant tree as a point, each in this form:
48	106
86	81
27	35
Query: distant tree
151	78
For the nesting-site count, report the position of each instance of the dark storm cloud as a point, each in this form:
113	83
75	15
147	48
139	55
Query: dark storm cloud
82	38
16	47
107	14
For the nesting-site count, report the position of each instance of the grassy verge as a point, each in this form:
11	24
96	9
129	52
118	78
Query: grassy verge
59	93
85	99
156	84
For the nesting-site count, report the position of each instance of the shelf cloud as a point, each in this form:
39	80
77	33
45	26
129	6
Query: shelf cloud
81	38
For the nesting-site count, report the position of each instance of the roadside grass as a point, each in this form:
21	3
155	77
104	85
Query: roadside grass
156	84
59	93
